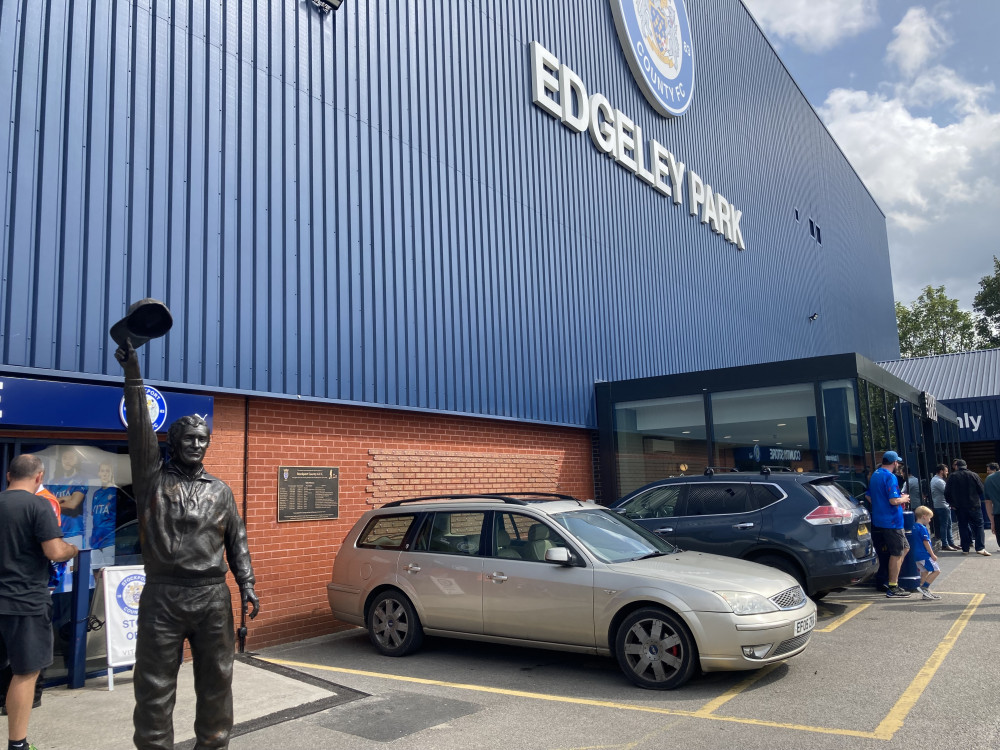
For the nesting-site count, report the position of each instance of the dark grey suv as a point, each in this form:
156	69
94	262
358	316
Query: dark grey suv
803	524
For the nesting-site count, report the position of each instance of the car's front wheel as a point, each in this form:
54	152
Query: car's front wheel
393	625
655	649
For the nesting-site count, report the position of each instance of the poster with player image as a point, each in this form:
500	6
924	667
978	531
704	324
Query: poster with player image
88	482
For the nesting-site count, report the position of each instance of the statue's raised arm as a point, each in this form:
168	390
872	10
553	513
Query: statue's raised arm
143	448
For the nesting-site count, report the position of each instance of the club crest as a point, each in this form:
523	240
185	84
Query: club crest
656	38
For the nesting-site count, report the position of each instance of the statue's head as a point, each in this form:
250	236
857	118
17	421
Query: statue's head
188	439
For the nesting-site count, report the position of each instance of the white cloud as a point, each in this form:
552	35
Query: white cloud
814	25
917	39
917	169
934	178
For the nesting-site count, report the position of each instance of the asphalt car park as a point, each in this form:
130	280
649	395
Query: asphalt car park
878	673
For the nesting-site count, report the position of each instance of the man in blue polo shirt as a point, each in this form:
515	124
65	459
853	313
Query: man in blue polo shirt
887	518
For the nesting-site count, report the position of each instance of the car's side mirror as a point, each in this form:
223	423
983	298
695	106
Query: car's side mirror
558	555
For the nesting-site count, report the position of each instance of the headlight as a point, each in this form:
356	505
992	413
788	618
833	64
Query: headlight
746	603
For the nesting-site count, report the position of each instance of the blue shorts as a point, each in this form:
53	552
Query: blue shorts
929	565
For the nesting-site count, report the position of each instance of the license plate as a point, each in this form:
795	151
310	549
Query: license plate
862	530
805	624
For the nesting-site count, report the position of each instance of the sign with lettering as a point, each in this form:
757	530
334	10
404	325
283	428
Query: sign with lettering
559	92
117	598
308	493
27	402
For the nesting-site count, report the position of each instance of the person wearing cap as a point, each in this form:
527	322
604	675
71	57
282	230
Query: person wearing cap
964	492
887	518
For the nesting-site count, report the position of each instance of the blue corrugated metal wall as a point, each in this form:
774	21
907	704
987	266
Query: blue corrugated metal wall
367	206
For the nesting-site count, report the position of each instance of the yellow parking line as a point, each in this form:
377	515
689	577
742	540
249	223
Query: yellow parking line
893	722
568	699
886	729
844	618
714	705
484	688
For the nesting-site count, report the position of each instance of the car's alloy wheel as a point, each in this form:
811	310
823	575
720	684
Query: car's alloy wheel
655	649
393	625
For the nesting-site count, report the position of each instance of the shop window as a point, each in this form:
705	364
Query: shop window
659	438
765	427
92	482
844	455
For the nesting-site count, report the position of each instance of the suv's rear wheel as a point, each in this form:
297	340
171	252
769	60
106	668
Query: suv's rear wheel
655	649
393	625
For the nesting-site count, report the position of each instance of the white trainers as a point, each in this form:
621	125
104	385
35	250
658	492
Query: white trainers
928	594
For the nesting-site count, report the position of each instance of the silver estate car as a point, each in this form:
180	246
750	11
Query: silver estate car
567	575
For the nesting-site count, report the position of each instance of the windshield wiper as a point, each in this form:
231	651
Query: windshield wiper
649	555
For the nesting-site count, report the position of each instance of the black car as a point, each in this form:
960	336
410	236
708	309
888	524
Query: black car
804	524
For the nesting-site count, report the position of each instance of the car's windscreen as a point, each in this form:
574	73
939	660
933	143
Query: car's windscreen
610	537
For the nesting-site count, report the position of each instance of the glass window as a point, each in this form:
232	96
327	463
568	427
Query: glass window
762	495
521	537
880	426
713	498
612	538
386	532
844	455
451	533
659	438
91	487
832	493
659	502
766	427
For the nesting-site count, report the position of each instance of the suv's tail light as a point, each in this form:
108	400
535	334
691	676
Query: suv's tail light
829	515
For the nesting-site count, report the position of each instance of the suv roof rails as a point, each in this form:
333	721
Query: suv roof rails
765	470
487	496
710	470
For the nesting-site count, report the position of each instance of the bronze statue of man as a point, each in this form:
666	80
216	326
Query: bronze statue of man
187	519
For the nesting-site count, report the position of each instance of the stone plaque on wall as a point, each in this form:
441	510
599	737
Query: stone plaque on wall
307	493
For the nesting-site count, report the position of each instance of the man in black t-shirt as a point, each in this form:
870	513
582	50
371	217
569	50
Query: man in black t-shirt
29	538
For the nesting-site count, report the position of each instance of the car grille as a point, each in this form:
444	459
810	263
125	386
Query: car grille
791	644
792	598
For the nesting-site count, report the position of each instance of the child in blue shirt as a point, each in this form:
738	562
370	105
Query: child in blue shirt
924	552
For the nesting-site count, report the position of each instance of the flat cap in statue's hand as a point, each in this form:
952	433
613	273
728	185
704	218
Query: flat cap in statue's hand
129	360
247	595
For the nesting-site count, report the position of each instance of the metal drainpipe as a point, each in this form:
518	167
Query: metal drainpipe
242	632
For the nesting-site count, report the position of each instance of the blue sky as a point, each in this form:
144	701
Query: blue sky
909	92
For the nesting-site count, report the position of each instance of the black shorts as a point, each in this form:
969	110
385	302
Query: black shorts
26	642
894	540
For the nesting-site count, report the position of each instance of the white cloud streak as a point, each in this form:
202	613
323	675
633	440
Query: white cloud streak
814	25
917	39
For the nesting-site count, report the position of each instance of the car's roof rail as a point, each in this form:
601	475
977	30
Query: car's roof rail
766	470
481	496
540	495
710	470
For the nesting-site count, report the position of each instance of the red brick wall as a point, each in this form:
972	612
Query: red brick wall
293	560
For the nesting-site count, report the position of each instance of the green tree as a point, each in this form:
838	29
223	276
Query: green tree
987	304
934	324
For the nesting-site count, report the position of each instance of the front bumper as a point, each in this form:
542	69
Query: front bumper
719	650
